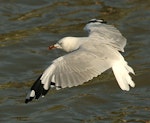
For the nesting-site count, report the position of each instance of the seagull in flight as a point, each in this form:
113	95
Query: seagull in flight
87	58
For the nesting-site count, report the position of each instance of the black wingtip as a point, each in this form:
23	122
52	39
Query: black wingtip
29	100
37	90
44	92
99	21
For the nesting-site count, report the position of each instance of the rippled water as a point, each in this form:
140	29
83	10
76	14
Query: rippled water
26	30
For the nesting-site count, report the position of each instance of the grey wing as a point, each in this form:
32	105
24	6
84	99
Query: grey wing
74	69
107	34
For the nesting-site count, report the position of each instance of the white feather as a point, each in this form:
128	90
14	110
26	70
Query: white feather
30	94
45	79
121	72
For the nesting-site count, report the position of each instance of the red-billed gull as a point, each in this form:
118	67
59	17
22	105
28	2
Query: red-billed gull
89	57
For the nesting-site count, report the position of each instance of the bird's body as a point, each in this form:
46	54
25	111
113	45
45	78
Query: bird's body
89	57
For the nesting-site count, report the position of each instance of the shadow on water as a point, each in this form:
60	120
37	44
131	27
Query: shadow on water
28	27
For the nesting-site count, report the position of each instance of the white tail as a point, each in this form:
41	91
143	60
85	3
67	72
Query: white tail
121	71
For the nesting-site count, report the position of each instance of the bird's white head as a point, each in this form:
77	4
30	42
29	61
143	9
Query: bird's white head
68	44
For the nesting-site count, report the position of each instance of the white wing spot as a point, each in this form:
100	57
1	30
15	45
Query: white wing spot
32	94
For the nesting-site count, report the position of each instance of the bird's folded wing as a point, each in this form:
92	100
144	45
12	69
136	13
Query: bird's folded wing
74	69
107	34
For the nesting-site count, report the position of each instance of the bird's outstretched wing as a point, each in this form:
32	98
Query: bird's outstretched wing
106	34
70	70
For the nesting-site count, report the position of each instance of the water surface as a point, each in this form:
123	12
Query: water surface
27	28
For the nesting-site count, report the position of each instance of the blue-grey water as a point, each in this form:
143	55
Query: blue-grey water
27	28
